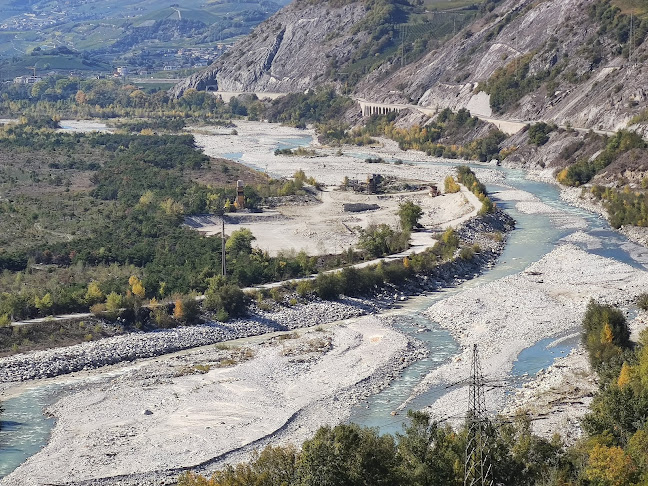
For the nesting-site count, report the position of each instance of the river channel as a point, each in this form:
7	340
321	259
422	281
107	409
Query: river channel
26	430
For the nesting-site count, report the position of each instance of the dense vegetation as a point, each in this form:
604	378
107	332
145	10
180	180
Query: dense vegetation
614	22
426	453
141	191
585	169
300	109
65	96
468	178
438	138
624	207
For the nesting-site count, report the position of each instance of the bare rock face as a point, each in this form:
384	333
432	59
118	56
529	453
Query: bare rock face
596	86
290	52
580	77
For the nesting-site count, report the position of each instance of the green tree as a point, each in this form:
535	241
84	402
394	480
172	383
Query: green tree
428	452
605	333
114	303
239	242
450	185
409	214
380	240
224	298
348	455
44	304
94	295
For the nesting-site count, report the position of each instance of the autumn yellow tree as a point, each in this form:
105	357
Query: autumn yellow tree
94	295
624	375
178	311
44	304
80	97
610	466
137	288
114	303
606	334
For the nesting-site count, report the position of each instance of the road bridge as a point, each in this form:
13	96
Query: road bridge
370	108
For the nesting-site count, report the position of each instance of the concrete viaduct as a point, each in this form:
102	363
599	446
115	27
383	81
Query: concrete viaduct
370	108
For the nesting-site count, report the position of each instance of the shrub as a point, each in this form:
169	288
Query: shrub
380	240
409	214
224	297
327	286
642	301
186	309
539	133
304	288
605	333
467	253
450	185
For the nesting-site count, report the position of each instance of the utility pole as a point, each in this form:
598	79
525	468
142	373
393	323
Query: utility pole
477	467
631	43
223	266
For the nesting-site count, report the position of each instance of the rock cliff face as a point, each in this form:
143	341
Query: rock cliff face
291	51
592	85
574	71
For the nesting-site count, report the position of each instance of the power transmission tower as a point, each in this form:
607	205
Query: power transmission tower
478	469
403	38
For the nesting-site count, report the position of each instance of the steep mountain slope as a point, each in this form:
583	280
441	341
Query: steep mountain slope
559	60
309	43
289	52
565	61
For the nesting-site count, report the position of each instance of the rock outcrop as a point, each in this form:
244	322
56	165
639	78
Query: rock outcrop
292	51
575	71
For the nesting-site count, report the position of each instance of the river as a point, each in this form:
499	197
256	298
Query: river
26	430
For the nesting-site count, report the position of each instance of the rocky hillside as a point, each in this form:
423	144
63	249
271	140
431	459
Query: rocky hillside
559	60
289	52
565	61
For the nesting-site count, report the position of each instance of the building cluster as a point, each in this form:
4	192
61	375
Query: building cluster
27	79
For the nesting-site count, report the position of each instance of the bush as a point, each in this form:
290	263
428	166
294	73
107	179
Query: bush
380	240
642	301
539	133
450	185
605	333
409	214
305	288
224	297
327	286
186	309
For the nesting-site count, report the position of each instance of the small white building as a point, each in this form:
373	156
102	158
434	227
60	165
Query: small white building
27	79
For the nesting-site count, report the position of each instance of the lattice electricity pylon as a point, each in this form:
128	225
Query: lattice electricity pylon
477	467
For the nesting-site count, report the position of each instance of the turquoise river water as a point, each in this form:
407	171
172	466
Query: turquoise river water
25	429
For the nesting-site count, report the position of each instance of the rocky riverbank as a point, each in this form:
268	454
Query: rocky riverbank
141	425
130	347
509	315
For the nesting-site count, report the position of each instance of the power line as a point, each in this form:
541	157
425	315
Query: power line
477	468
